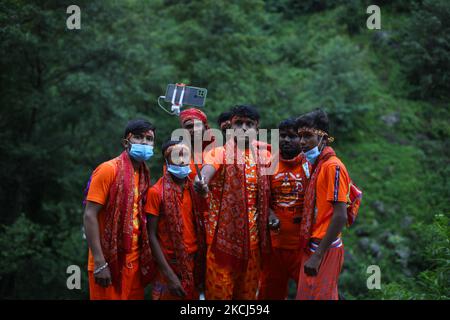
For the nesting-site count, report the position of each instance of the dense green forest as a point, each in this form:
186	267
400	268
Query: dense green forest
66	95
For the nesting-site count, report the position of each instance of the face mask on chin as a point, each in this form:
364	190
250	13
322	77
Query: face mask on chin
313	154
140	152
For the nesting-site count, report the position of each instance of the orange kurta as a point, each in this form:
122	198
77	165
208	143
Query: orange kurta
216	158
132	288
154	207
288	185
332	186
225	284
222	283
102	179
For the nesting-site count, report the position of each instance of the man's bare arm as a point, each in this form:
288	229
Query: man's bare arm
337	223
91	228
92	231
173	282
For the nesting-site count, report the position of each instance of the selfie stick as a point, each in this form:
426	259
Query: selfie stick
177	106
176	111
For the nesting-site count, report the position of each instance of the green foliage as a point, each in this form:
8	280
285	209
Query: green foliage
339	83
66	96
434	254
38	258
381	235
424	47
292	8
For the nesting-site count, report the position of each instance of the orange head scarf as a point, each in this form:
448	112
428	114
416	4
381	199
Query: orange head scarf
193	113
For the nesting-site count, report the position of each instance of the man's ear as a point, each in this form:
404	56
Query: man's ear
125	143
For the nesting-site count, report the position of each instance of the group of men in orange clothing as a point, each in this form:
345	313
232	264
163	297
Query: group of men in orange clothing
224	228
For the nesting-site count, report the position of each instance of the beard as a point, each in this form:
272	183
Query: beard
289	153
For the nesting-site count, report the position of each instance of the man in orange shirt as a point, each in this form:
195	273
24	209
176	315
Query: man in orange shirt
237	223
288	185
119	263
325	211
175	229
196	122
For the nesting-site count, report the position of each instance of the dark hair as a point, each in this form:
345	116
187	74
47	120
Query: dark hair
247	111
168	143
316	119
287	124
138	126
224	116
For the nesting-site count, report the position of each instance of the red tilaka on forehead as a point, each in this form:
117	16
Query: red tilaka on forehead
315	131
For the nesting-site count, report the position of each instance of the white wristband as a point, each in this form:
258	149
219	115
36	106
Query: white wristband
100	269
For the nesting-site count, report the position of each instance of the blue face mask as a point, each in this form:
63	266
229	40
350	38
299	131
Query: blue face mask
141	152
180	172
311	155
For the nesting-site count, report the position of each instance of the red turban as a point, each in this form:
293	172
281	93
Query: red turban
193	113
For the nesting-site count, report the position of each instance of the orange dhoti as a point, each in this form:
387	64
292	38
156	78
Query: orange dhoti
160	290
323	286
225	284
132	288
282	265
